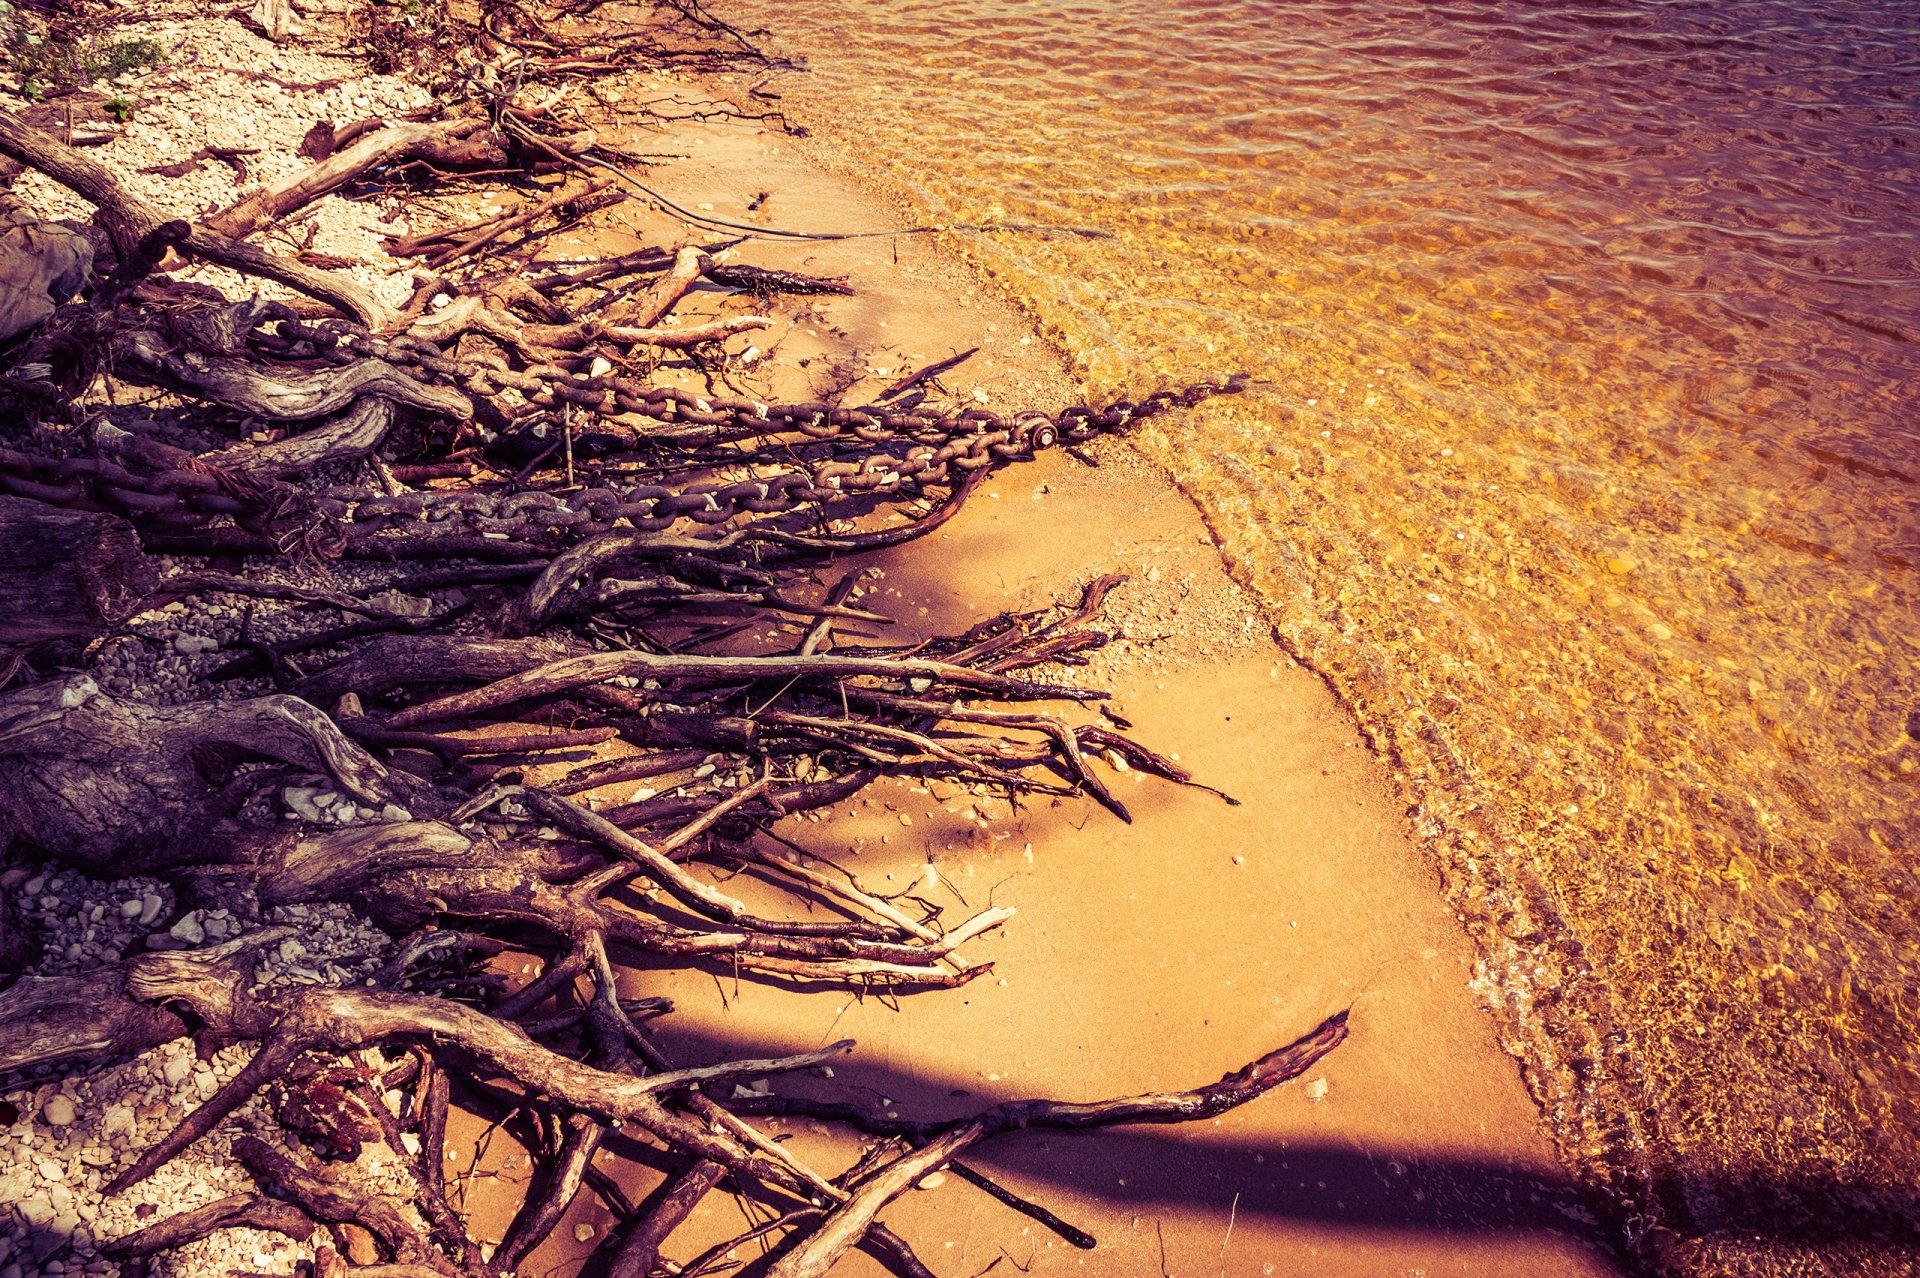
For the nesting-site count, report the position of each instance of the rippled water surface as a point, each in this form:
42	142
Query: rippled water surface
1584	466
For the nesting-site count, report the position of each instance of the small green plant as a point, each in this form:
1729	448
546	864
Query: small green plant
119	57
42	56
119	106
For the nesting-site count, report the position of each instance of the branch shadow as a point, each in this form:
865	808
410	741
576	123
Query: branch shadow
1343	1185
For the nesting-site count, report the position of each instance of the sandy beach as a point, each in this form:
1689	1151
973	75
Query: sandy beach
1159	953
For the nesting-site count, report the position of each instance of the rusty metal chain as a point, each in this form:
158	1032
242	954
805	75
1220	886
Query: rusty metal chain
175	496
936	442
935	446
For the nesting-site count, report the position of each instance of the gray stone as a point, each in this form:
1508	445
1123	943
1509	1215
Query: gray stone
118	1120
37	1209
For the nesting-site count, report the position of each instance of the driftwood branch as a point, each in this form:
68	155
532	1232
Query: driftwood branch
128	218
629	582
382	146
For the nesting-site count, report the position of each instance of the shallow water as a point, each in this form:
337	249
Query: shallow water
1583	465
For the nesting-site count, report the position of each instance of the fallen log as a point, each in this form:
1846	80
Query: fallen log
117	786
353	434
58	1020
285	394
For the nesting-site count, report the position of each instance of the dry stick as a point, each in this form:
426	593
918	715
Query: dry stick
428	1191
437	1102
822	631
612	1030
896	1249
851	893
710	1259
844	1227
646	260
440	744
575	672
271	203
547	1026
681	885
689	264
906	384
835	730
804	1178
1065	738
540	341
677	338
269	1063
501	226
636	767
196	583
540	1213
559	974
1026	1207
333	1203
640	1249
800	797
252	1211
560	576
317	1018
127	218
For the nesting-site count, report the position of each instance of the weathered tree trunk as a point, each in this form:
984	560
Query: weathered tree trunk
66	573
52	1020
117	786
354	433
284	394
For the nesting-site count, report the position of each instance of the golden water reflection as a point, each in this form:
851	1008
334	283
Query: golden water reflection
1584	465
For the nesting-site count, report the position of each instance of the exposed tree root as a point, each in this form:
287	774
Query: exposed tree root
614	544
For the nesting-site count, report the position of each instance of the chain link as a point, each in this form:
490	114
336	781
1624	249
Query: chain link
182	496
936	444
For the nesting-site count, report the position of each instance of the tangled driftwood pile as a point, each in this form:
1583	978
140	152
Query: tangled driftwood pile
572	553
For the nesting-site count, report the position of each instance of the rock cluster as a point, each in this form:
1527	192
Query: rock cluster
222	88
69	1138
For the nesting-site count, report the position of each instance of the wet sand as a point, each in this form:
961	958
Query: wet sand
1157	954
